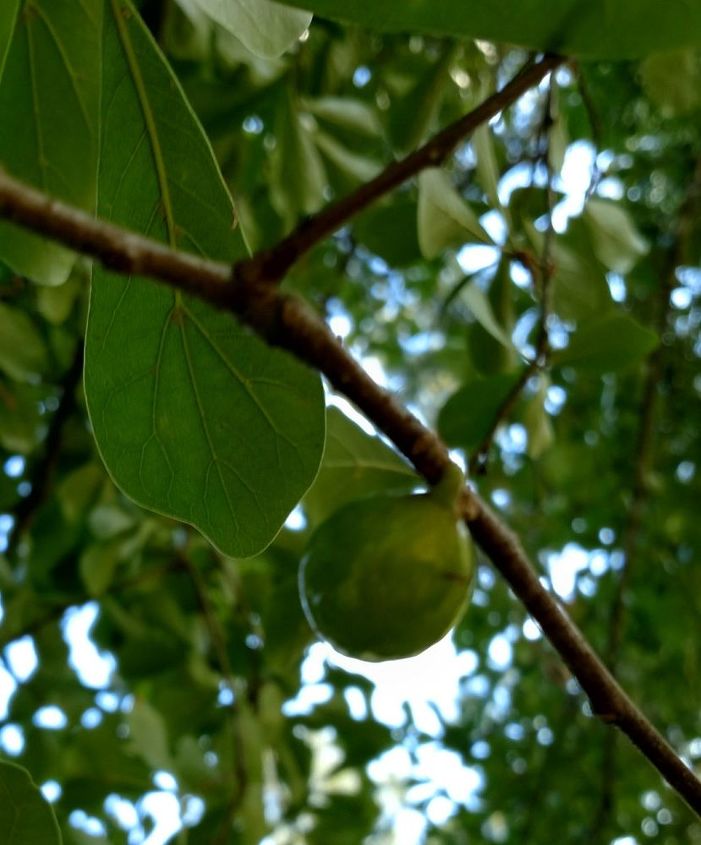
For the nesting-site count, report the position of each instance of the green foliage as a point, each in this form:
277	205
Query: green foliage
611	343
155	115
615	241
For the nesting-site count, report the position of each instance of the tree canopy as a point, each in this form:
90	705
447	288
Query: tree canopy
260	261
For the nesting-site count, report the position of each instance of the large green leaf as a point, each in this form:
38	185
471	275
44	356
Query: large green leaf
25	817
588	28
612	343
22	349
672	80
265	27
355	464
469	414
537	421
444	219
478	302
615	240
49	102
579	287
194	416
390	231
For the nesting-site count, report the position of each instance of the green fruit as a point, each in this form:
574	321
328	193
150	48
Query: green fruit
388	576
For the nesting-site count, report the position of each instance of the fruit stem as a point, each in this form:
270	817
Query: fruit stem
447	491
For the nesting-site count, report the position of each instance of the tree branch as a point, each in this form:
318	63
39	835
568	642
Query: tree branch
286	322
272	265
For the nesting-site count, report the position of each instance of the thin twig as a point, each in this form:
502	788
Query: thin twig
273	264
478	459
541	276
286	322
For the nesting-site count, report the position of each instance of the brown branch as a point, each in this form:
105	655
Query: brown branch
273	265
116	248
287	322
608	700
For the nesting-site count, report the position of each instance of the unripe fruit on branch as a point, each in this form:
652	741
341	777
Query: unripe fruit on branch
387	576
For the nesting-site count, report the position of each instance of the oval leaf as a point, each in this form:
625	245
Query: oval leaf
355	464
265	27
444	218
194	416
390	232
148	737
672	81
537	421
615	240
587	28
609	344
478	302
22	350
468	416
579	287
487	172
